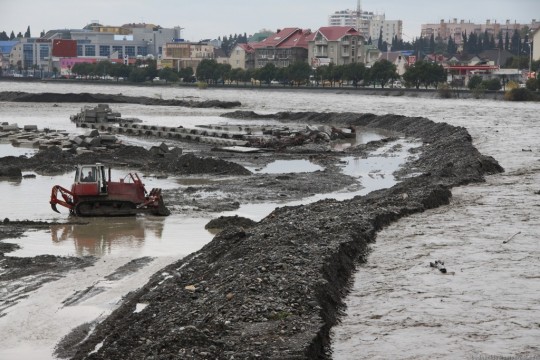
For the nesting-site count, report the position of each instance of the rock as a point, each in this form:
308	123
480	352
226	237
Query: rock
30	128
10	172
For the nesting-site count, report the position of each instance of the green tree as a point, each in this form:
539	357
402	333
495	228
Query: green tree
491	84
168	74
223	72
515	44
103	67
186	74
354	72
382	71
267	73
12	35
120	71
299	72
500	43
451	47
532	84
27	33
475	82
237	75
138	75
205	70
4	36
83	69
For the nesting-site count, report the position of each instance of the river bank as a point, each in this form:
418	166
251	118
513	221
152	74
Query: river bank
321	226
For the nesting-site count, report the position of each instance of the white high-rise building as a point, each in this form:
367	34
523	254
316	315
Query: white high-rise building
368	24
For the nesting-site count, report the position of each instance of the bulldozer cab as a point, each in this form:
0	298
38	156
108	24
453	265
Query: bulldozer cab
92	174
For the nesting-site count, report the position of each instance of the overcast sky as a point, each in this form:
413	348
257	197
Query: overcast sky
202	19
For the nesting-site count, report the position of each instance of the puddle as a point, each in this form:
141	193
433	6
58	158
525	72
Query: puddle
10	150
287	167
373	173
118	237
363	136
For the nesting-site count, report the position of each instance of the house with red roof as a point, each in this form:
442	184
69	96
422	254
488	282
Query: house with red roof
282	48
339	45
242	57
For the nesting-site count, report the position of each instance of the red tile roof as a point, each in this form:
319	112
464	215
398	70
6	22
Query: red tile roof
334	33
247	48
285	38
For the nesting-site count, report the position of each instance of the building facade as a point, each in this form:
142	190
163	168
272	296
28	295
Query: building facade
282	48
242	57
184	54
389	29
339	45
455	29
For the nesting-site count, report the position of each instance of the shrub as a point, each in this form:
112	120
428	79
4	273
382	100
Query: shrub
202	85
492	84
519	94
531	84
444	91
474	82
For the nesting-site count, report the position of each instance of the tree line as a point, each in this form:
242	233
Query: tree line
144	70
382	74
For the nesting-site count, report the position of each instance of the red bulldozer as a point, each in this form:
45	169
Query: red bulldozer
94	194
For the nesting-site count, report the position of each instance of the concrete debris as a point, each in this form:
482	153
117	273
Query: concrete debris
30	136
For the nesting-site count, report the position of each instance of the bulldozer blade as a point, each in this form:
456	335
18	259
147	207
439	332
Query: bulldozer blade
53	206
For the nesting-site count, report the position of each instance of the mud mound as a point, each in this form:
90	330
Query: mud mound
274	290
190	164
111	98
223	222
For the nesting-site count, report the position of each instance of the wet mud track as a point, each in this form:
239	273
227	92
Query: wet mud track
275	289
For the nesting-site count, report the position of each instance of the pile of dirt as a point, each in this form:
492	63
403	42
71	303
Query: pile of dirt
15	96
274	290
54	160
223	222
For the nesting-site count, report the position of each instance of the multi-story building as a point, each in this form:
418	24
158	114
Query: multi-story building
5	51
283	48
368	24
389	29
455	30
31	53
535	45
184	54
243	57
339	45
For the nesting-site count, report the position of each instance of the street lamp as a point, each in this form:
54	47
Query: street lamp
530	55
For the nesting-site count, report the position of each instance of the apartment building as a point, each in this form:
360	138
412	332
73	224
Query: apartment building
368	24
31	53
339	45
183	54
388	28
455	29
282	48
243	57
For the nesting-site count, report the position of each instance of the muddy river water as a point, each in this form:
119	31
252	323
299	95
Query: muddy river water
31	328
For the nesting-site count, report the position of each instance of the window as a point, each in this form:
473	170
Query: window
89	50
104	50
79	50
120	51
142	50
43	52
130	51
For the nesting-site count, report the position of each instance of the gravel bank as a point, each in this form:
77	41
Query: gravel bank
276	289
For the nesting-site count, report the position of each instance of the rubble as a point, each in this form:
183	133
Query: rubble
275	289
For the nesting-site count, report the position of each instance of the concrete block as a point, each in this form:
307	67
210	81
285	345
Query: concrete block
91	133
30	127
